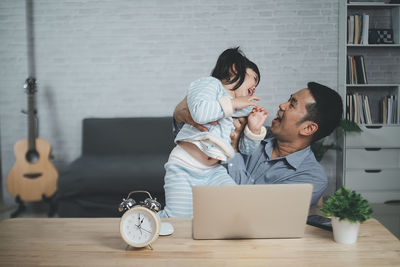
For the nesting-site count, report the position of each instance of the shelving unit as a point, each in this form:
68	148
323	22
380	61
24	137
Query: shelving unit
370	161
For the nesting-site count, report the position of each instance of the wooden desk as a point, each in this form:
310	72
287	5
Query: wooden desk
96	242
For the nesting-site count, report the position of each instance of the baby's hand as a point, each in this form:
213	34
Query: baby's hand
239	124
244	101
256	119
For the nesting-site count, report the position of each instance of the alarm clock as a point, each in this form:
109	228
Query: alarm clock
140	224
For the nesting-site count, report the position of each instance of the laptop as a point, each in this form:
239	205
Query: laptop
250	211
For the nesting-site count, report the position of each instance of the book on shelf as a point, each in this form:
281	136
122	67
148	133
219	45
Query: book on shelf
364	73
395	114
351	108
350	29
358	108
353	71
384	110
348	71
359	70
350	112
362	109
353	97
356	71
365	28
392	110
388	109
367	109
389	105
357	29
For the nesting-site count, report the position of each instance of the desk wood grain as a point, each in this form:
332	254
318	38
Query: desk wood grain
97	242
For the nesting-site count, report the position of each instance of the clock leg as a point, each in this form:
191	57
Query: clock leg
150	247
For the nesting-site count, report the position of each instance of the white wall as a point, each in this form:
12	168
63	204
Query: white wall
108	58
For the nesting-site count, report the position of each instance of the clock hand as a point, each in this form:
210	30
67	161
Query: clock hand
140	228
146	230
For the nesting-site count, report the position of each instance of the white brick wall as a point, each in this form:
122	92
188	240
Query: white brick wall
106	58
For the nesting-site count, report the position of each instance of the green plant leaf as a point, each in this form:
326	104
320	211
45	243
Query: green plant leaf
346	204
349	126
319	149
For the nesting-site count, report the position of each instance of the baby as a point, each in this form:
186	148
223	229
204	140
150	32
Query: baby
213	101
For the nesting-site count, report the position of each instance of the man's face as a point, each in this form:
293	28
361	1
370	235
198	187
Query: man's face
286	126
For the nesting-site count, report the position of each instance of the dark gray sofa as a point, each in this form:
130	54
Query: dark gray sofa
118	155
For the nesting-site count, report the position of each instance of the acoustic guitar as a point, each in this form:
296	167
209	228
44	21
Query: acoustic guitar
33	177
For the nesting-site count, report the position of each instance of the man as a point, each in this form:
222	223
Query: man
284	156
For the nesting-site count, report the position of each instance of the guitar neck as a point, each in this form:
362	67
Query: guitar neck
32	134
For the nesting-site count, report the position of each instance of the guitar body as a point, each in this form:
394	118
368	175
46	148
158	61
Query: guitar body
31	180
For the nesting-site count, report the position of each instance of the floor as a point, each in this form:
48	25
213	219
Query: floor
32	210
389	216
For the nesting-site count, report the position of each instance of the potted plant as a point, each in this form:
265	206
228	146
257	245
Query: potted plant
347	210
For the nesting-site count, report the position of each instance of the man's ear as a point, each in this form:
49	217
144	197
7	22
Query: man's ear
308	128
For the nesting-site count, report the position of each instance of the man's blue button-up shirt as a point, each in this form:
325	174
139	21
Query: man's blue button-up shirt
300	167
296	168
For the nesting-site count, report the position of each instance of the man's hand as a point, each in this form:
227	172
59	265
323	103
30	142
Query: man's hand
256	119
182	115
239	124
244	101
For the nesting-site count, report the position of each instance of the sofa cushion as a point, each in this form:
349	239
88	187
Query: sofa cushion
119	155
106	176
91	206
127	136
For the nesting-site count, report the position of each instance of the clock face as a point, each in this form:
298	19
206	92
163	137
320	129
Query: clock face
139	227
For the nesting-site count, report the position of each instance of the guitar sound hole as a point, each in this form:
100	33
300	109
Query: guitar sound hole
32	156
33	175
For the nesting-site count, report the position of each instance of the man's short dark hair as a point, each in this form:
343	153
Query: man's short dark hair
326	111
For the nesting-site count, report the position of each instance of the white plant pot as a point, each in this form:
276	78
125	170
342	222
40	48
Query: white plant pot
344	232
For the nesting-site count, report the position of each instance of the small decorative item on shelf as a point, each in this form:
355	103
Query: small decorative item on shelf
380	36
347	210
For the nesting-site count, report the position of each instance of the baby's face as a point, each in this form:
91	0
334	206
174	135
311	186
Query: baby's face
248	87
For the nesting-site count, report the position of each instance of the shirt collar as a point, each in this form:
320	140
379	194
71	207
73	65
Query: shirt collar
294	159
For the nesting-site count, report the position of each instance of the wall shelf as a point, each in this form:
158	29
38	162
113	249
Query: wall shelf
377	147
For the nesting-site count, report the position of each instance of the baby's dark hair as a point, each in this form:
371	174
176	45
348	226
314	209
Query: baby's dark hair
233	58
